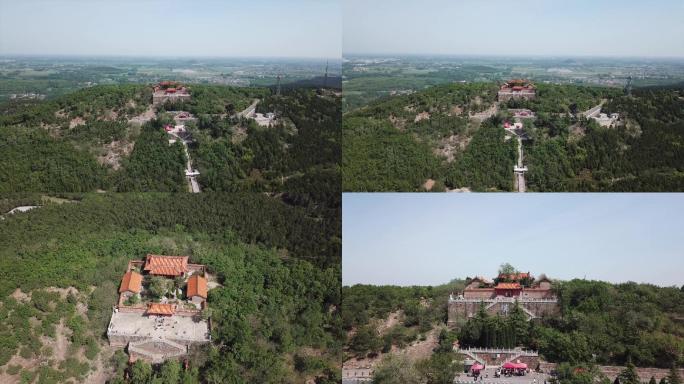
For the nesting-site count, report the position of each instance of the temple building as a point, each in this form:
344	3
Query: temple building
156	327
534	296
170	266
169	91
517	89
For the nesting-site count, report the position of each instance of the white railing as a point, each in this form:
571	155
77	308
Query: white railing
501	299
518	351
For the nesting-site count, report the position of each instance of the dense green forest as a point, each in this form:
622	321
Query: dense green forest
274	317
644	155
442	133
486	162
377	157
154	165
298	157
34	161
601	323
31	160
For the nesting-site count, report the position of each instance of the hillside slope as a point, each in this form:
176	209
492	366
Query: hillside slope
452	137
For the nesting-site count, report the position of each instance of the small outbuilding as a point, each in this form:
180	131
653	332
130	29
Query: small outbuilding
197	289
131	284
160	309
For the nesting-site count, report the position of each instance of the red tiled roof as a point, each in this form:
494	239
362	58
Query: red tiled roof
160	309
131	282
197	286
166	265
508	286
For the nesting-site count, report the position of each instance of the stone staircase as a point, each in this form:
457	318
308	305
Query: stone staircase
157	351
472	356
513	355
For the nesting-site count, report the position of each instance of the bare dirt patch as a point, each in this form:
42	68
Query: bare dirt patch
144	117
60	344
76	121
110	115
63	292
448	147
397	122
415	351
101	369
114	152
28	364
422	116
576	132
429	183
212	281
392	319
239	135
20	296
421	349
484	115
455	110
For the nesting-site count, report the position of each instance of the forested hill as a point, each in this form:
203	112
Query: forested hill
603	323
299	157
452	135
87	140
111	138
644	154
274	314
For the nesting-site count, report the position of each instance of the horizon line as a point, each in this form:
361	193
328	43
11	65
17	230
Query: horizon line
517	55
83	55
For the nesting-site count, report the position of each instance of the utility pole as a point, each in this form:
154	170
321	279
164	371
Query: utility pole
278	87
325	79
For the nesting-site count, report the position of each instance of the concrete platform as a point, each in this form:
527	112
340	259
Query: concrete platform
125	327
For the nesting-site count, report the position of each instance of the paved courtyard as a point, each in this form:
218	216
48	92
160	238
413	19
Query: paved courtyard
158	327
487	377
363	377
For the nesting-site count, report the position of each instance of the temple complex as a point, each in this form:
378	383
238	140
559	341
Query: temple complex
169	91
517	89
156	328
535	297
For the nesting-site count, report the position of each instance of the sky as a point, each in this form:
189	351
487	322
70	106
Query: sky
236	28
629	28
431	239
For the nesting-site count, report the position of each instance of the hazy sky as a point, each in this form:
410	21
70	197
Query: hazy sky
430	239
263	28
521	27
